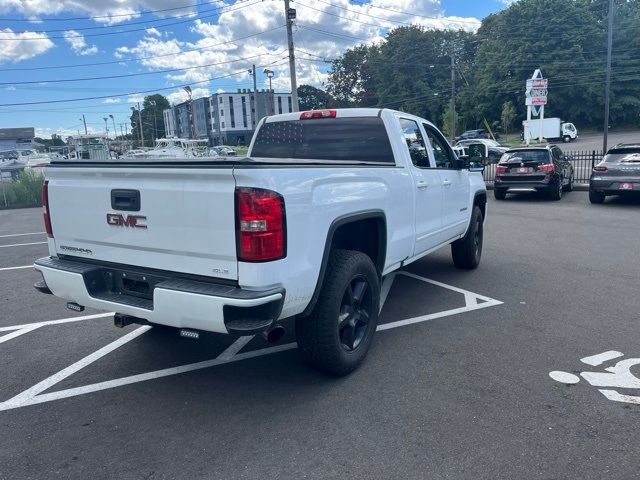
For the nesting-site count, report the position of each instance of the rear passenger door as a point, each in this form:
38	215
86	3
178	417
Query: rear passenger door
562	164
427	189
455	185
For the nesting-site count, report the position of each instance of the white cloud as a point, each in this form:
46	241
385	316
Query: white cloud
324	28
79	44
15	47
180	95
110	12
153	31
112	100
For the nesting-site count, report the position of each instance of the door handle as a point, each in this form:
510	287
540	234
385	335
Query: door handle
447	183
422	185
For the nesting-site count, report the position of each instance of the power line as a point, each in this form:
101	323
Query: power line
153	21
95	17
124	60
140	92
133	29
138	74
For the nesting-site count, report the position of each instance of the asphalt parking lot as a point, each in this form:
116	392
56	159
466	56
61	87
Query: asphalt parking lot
456	385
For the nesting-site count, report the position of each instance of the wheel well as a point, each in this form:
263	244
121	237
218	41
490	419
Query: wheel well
481	201
367	235
365	232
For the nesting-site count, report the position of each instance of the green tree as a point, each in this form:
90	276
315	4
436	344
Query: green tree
152	119
312	98
446	121
508	116
351	80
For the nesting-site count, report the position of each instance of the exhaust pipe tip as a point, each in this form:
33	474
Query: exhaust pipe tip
274	334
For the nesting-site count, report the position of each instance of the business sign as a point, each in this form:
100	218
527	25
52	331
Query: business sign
536	92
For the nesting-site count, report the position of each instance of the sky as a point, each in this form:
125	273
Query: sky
158	46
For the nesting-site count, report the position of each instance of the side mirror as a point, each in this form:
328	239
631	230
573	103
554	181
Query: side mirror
477	156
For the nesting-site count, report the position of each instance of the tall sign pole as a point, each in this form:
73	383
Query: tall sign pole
535	100
608	81
453	100
290	15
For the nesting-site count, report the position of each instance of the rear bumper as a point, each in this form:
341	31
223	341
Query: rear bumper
174	302
525	185
611	185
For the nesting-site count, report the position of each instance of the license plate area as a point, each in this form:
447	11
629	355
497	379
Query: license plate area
524	170
106	280
625	186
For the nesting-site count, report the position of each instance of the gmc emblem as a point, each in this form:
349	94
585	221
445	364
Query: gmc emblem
119	220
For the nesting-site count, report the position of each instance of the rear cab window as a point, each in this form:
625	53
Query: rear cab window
341	139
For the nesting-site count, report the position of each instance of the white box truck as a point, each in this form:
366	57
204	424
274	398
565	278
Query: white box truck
549	129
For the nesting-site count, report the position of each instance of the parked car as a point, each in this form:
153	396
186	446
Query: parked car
617	174
495	149
473	134
533	169
224	151
238	245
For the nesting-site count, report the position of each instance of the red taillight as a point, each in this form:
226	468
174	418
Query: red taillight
600	168
547	168
45	209
318	114
500	169
260	217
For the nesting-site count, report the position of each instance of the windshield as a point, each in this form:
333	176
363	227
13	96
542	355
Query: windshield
541	156
361	139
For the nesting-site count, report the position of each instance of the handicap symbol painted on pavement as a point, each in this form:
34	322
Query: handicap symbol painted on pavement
616	376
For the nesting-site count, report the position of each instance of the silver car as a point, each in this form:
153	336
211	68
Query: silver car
617	174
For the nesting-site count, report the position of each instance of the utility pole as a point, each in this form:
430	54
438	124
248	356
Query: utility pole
290	15
85	124
608	81
254	106
140	124
453	99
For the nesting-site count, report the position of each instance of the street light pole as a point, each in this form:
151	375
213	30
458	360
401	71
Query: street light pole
190	104
608	81
106	126
115	130
85	124
269	74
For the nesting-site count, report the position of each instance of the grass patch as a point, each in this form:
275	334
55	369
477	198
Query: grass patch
24	192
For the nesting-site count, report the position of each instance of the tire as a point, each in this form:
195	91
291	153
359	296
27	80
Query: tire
566	139
596	197
569	186
337	335
499	193
556	191
467	251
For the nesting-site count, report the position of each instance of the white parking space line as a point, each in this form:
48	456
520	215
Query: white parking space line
22	244
17	333
34	394
6	269
27	395
56	322
21	234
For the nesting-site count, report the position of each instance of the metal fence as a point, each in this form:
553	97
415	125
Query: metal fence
583	162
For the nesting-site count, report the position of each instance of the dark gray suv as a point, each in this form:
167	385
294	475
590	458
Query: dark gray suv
533	169
617	174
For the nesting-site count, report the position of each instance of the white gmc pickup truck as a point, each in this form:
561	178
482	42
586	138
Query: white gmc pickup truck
326	204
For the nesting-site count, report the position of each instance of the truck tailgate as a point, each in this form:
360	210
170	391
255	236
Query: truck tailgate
184	222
